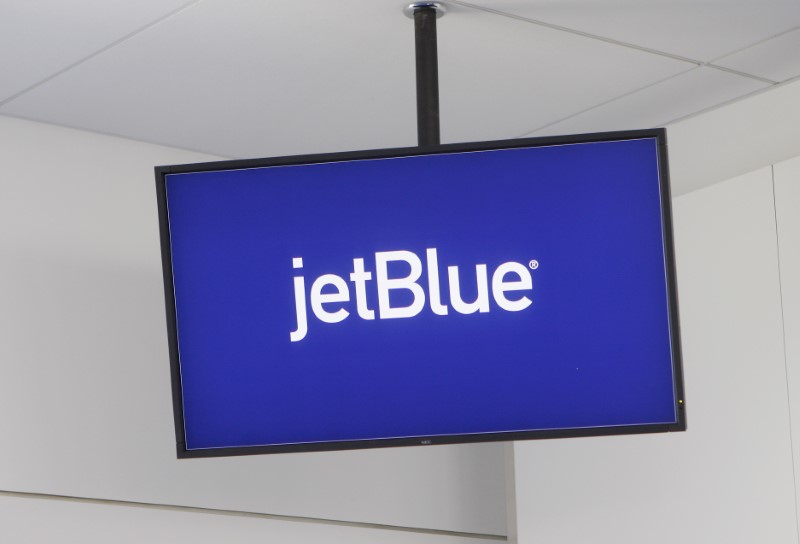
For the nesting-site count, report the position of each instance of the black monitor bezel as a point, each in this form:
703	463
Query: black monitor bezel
666	214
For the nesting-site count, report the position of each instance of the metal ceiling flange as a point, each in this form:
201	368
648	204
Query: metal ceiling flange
439	7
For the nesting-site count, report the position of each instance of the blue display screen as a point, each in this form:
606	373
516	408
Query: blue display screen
456	293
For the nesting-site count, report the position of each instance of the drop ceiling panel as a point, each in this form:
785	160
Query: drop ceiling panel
501	77
247	78
39	38
698	29
776	59
659	104
244	79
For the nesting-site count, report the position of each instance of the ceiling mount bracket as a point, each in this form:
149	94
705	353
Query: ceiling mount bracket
439	7
424	15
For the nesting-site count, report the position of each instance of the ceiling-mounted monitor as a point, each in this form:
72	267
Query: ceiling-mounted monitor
472	292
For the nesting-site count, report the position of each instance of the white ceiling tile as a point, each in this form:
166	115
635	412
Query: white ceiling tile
776	59
243	79
659	104
500	77
249	78
40	37
698	29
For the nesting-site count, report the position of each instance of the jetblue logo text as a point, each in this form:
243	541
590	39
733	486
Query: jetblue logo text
328	307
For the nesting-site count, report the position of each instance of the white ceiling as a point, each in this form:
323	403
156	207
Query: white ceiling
249	78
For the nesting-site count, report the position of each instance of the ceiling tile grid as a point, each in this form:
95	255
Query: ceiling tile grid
754	41
697	29
776	58
499	77
658	105
245	78
40	38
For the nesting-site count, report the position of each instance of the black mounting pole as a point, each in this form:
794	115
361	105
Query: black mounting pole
425	14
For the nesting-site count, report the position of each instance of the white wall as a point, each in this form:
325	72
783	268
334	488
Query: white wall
727	141
730	477
85	405
787	204
84	396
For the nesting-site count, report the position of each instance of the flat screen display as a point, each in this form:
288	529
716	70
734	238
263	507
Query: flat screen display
471	292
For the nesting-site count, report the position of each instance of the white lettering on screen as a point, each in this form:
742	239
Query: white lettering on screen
329	306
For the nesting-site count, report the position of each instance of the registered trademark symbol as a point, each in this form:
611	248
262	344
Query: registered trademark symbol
534	264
